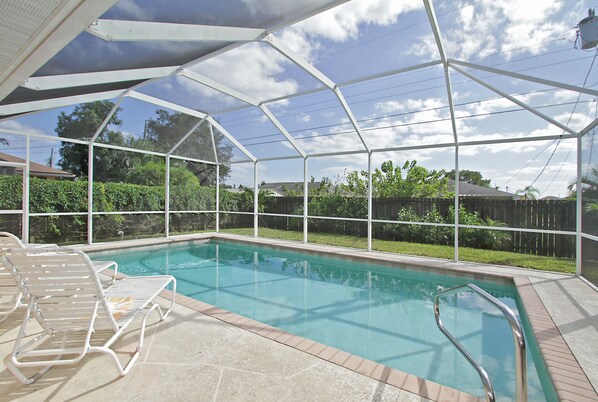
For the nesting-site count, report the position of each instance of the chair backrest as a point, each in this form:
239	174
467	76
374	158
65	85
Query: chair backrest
9	241
63	287
8	287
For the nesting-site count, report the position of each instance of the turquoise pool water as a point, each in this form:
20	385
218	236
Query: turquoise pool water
380	313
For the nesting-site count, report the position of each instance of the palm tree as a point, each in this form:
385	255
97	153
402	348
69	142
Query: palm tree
529	192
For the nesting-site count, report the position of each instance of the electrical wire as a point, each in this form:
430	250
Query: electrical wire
567	156
592	142
395	125
568	121
246	120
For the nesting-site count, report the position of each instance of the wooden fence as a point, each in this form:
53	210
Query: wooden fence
556	215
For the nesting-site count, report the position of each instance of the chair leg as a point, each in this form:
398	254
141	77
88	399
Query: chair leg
14	307
23	379
124	370
10	361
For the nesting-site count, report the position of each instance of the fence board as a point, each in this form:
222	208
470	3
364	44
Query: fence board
531	214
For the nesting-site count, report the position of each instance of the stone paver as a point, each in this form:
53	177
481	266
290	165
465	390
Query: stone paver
207	358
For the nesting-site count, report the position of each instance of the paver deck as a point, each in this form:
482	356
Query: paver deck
205	353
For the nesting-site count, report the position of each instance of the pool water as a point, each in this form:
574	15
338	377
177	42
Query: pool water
381	313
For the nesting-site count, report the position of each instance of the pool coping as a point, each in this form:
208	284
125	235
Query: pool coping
567	376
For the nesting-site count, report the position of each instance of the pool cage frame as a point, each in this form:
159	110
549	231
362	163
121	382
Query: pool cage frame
110	29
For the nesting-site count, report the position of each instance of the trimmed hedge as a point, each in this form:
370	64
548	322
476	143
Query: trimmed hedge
52	196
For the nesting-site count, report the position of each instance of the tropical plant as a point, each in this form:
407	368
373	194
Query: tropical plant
529	192
470	176
408	180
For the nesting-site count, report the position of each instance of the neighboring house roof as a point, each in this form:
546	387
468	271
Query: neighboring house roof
473	190
279	189
37	169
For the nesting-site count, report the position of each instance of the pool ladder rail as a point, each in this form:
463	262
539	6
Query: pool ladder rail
520	356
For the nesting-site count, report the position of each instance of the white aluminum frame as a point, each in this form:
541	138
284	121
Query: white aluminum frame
131	30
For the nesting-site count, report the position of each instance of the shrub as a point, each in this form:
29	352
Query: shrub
444	235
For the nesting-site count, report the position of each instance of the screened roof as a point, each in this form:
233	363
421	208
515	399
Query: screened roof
283	79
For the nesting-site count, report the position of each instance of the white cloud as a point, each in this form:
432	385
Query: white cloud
253	69
342	22
483	28
304	118
133	10
18	126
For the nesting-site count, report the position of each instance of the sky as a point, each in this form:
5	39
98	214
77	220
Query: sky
363	38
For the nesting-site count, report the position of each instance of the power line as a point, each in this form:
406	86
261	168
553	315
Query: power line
568	154
592	142
404	114
397	125
245	120
568	120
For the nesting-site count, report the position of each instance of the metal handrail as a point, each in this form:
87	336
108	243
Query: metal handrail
520	354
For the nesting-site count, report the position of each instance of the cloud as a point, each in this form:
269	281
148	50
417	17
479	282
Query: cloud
343	22
260	71
18	126
508	26
133	11
253	69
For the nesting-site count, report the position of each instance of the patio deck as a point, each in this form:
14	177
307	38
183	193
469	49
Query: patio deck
204	353
192	356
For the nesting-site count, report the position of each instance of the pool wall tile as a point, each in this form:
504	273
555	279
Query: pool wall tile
569	380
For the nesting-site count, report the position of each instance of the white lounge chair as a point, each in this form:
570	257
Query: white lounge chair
67	300
10	295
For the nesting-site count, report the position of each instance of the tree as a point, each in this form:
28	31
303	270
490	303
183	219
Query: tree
589	188
161	134
83	122
167	128
408	180
529	193
469	176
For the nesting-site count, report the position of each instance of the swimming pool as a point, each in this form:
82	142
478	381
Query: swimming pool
381	313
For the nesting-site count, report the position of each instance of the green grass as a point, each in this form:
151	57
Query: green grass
428	250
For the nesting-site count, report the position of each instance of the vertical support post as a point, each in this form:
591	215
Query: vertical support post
217	197
370	201
167	198
305	200
90	194
26	181
217	177
456	202
255	200
578	210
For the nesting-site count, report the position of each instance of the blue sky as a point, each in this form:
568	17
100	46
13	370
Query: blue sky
365	37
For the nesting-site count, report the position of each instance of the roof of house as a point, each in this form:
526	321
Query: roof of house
37	169
280	188
473	190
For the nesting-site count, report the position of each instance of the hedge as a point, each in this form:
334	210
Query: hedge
52	196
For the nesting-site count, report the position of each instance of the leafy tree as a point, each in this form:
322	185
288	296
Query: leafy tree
110	165
161	134
589	186
470	176
408	181
154	174
264	200
529	192
167	128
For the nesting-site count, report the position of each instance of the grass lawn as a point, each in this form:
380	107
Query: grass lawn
428	250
